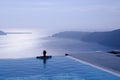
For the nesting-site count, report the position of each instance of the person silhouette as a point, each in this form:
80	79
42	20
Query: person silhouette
44	53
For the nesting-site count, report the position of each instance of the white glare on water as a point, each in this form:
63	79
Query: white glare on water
17	45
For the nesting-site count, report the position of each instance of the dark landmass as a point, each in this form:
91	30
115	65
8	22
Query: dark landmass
71	34
108	38
115	52
2	33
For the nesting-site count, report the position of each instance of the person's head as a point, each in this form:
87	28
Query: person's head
44	52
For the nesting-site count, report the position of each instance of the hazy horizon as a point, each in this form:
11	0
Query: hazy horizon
63	15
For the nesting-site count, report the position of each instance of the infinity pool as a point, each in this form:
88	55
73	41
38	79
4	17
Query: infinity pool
56	68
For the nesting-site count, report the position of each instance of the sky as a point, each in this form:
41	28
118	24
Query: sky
59	15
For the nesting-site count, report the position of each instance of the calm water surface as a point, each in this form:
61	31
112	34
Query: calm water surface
57	68
30	45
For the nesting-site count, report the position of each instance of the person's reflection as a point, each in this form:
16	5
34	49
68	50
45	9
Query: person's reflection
45	61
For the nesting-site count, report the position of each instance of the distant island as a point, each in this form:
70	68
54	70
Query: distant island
19	32
5	33
108	38
2	33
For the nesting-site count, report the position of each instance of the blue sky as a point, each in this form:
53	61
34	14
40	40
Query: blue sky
58	15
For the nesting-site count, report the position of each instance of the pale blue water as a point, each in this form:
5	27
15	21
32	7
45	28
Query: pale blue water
57	68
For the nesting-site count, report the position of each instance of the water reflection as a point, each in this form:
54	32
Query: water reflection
44	59
18	45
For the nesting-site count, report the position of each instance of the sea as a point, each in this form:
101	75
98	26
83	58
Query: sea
32	45
18	58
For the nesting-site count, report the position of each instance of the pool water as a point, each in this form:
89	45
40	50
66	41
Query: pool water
56	68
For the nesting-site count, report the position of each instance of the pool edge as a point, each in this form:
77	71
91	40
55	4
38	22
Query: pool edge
95	66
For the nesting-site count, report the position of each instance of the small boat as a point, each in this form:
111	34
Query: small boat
43	57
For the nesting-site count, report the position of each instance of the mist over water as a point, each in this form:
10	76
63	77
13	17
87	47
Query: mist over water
32	45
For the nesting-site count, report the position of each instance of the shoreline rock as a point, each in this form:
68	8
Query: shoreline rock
115	52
